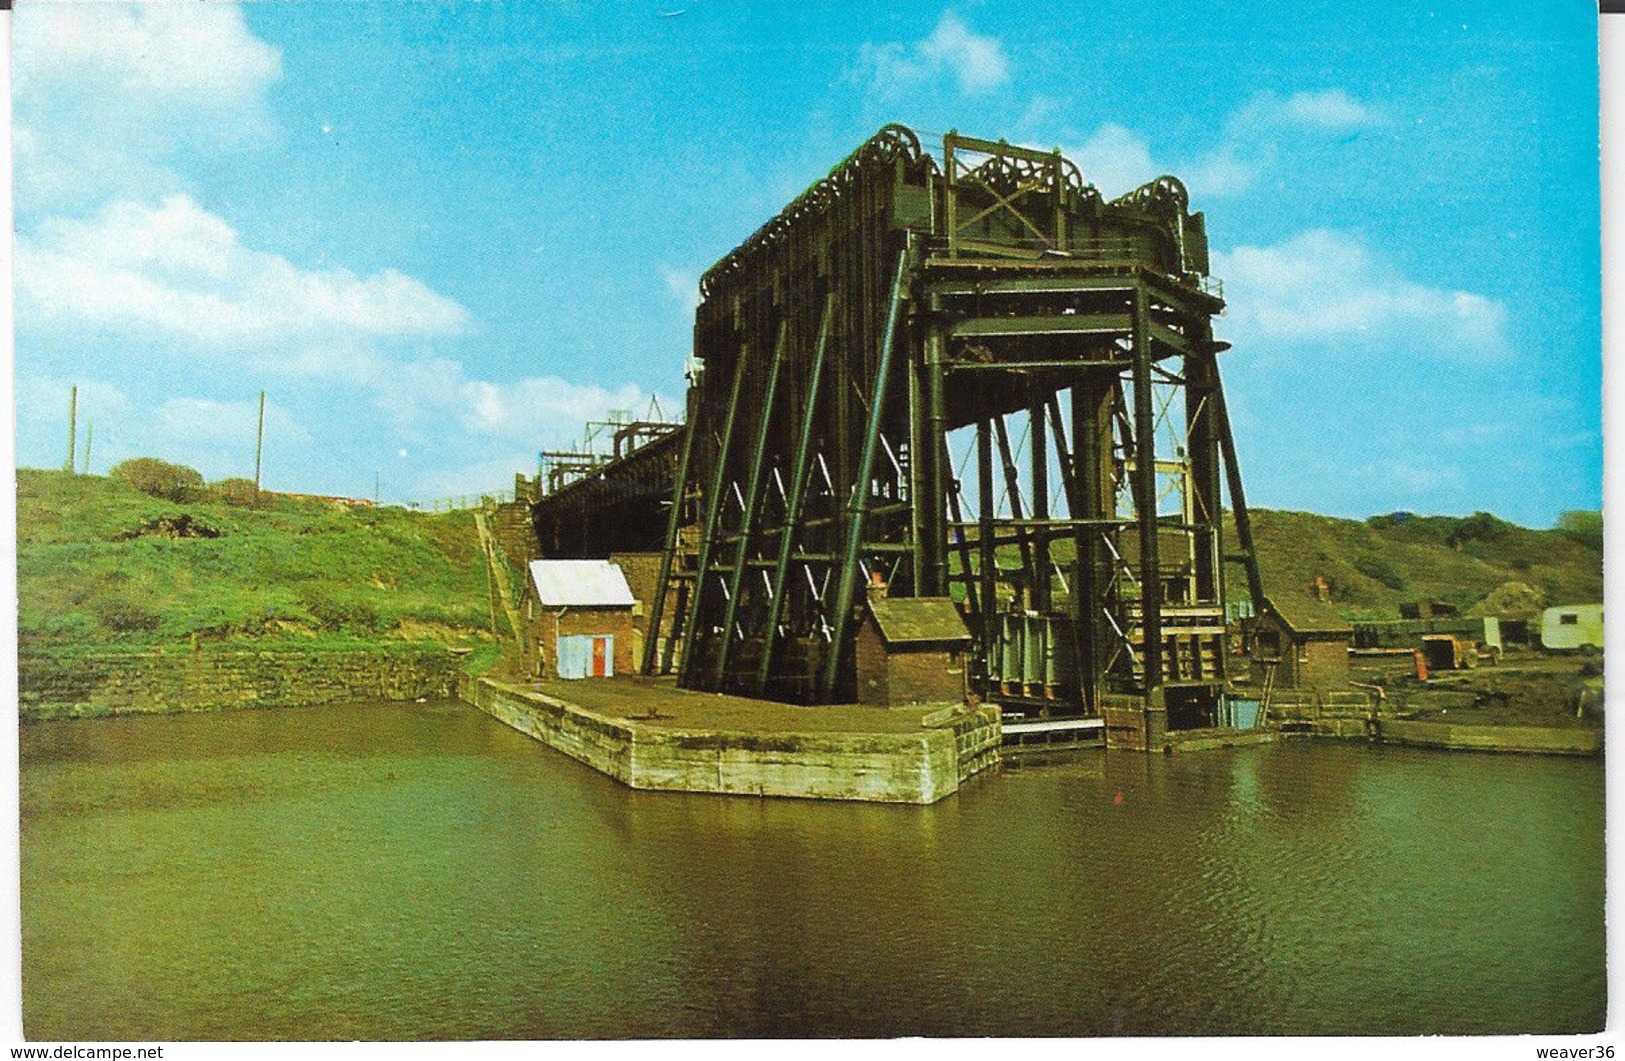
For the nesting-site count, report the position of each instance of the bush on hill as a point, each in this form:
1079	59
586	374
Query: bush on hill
1380	569
240	492
1479	527
172	482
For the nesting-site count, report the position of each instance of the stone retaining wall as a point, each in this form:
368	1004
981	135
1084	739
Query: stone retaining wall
921	766
1540	739
89	685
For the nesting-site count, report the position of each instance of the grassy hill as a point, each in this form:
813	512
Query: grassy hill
1374	565
100	563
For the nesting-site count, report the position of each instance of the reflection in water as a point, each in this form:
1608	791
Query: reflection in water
423	872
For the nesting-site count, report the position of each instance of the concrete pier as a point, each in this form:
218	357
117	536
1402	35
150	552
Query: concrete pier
648	734
1466	737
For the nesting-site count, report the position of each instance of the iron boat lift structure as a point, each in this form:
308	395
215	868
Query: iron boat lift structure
979	381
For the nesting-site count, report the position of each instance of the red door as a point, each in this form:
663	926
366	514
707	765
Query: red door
600	650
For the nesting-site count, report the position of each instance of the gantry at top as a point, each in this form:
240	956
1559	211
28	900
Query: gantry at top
978	381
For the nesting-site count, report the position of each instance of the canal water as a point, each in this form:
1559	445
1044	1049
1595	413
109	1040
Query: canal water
423	872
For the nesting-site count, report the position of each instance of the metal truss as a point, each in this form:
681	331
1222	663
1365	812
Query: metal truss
897	315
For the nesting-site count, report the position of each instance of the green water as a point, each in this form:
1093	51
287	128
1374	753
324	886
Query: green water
383	872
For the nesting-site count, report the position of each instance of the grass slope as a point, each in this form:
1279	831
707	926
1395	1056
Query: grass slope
1373	566
283	569
294	569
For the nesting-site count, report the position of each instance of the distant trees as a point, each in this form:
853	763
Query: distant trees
1454	531
1583	527
172	482
1480	526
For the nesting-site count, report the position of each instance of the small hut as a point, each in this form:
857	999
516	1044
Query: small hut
578	620
911	650
1307	640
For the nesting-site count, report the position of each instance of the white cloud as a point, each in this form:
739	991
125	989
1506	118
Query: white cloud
482	431
181	423
105	94
1331	109
1118	159
121	270
214	436
42	417
1330	288
490	474
197	52
888	68
1115	160
976	62
1228	171
540	409
176	270
683	284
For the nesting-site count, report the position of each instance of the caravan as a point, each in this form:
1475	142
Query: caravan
1572	626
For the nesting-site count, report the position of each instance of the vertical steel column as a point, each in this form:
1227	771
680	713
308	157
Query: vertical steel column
679	608
1075	598
957	517
936	541
987	559
858	505
1145	472
1058	176
708	530
753	488
799	471
1012	488
1039	452
919	475
1238	499
1202	445
673	524
1063	455
1093	404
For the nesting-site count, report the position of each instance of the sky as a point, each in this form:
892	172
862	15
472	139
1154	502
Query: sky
442	237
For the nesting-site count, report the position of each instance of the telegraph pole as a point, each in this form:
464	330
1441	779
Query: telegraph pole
73	423
259	444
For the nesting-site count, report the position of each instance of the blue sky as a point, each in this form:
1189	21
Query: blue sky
441	237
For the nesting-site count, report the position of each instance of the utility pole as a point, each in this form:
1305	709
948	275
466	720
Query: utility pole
259	444
73	423
90	432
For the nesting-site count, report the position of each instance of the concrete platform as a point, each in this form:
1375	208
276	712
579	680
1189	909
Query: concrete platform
647	733
1533	739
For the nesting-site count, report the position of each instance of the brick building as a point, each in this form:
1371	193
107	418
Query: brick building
1306	638
578	620
642	571
911	651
